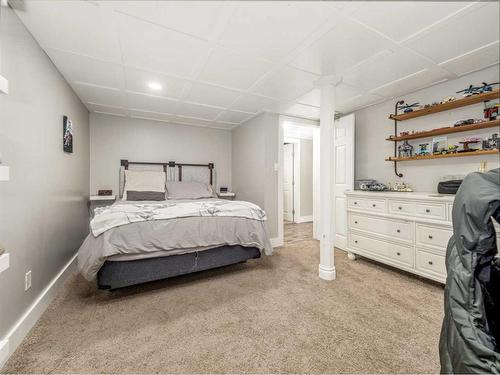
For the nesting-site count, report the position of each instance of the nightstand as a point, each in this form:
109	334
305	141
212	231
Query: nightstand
96	201
228	195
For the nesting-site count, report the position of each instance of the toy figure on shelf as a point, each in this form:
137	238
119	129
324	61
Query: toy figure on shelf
491	111
407	108
405	150
491	143
467	141
424	149
402	134
448	99
487	87
469	91
452	149
469	121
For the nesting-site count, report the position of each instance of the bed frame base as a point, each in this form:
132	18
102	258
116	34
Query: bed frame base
114	275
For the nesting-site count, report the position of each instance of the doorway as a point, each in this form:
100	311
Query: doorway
291	190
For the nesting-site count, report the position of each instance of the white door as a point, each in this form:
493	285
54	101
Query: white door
344	174
288	182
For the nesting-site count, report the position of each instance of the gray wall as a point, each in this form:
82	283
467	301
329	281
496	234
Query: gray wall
255	151
306	177
43	212
373	126
113	138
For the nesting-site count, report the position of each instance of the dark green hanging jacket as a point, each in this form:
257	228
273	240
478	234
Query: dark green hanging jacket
470	341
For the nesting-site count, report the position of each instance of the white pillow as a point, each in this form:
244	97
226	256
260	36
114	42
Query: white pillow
188	190
144	181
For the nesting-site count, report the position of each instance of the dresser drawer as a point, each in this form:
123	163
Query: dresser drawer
402	208
431	210
374	205
396	229
431	263
450	212
397	253
433	236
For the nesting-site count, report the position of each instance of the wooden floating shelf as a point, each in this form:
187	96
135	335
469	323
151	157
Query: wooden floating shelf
495	94
443	156
451	129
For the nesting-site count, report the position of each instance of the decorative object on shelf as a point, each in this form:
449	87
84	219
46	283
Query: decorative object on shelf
467	141
452	149
364	181
67	135
424	149
407	108
405	150
464	122
400	187
491	143
491	110
476	90
439	144
448	99
104	192
376	186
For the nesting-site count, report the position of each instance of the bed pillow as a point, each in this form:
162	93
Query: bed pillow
144	181
133	195
188	190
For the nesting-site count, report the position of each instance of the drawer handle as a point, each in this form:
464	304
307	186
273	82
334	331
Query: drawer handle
427	210
355	202
430	262
430	237
355	222
374	205
399	231
400	208
355	241
398	254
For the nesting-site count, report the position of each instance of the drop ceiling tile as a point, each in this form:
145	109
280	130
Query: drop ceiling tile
233	69
75	26
286	84
192	121
105	96
344	46
413	82
359	102
345	92
137	80
212	95
107	109
155	116
311	98
150	47
477	26
400	19
234	117
475	60
302	110
138	101
384	68
77	68
273	29
198	111
254	104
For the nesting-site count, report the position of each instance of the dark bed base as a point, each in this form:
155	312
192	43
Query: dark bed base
114	275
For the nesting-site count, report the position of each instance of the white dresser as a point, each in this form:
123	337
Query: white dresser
409	231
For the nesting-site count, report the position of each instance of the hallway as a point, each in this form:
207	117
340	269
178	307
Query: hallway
297	232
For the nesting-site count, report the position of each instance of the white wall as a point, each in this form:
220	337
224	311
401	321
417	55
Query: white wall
373	126
113	138
43	208
255	151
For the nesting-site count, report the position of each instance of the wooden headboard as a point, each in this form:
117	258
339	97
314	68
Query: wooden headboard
171	164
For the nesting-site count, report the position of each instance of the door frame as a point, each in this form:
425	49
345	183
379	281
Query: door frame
295	176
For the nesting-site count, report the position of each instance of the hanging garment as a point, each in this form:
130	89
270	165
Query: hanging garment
469	340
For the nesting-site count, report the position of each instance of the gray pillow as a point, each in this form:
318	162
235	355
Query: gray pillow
145	195
188	190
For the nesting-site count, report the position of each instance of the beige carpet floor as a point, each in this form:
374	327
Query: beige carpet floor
272	315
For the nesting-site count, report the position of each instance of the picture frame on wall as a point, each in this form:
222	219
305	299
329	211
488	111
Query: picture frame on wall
67	135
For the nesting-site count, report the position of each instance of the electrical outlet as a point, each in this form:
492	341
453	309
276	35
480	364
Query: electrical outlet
27	281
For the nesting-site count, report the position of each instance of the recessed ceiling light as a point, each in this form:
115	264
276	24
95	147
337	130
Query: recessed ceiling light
155	86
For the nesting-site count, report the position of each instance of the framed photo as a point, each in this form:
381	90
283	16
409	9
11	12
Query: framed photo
67	135
439	144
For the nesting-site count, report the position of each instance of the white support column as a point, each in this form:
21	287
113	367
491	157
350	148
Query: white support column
327	178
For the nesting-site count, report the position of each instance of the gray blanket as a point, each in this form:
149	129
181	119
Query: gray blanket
169	237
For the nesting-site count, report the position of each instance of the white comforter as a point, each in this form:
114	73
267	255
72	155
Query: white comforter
121	214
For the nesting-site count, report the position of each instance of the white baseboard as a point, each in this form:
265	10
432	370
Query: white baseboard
24	324
276	242
304	219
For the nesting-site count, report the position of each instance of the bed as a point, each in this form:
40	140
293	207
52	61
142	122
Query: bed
181	230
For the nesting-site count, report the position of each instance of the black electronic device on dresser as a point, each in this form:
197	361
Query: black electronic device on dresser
449	187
